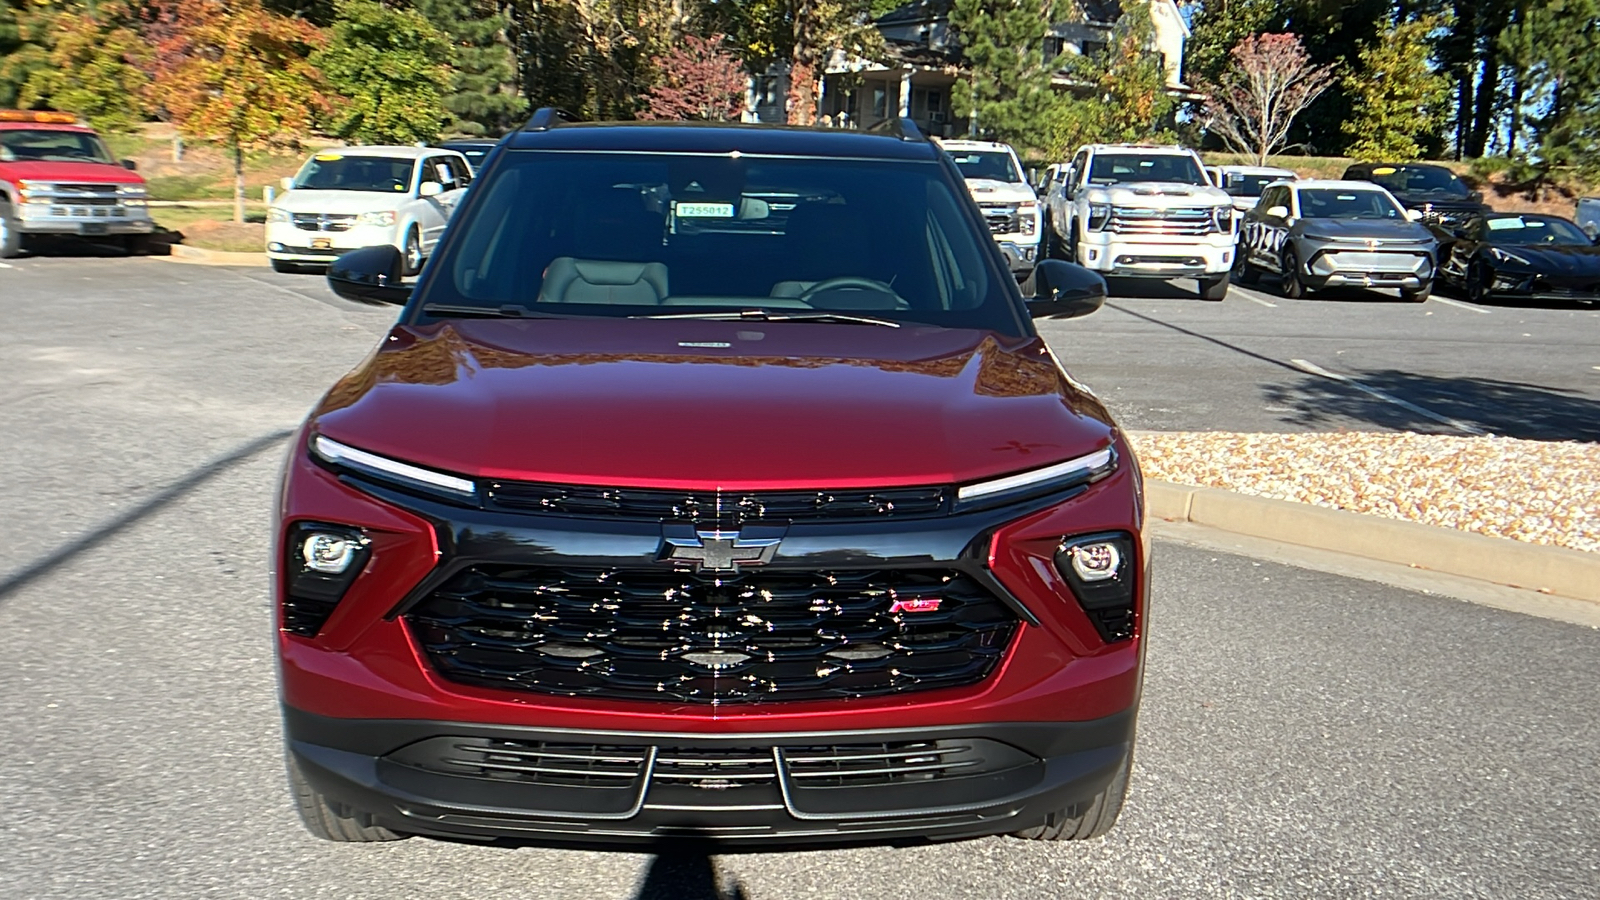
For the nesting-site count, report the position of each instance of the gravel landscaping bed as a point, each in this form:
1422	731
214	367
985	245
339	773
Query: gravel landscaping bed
1537	491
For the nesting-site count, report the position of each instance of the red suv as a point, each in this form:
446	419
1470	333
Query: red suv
713	484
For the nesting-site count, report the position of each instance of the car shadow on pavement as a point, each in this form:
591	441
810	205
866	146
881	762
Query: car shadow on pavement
1504	408
685	876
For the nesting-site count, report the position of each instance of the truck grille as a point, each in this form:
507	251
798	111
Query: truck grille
655	634
323	221
1002	217
1184	222
723	508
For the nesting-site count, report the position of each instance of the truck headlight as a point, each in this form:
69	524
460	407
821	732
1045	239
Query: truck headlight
274	214
1099	215
30	191
376	218
1222	219
1028	221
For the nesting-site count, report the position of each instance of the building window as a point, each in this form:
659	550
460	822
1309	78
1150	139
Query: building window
935	107
880	102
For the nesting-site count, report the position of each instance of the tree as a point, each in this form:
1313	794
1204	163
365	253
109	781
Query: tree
1399	98
1552	48
1009	90
24	46
1126	98
699	80
244	80
1218	26
484	96
1269	81
92	71
390	68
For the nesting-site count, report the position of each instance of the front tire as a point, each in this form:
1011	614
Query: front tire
1214	287
1290	285
136	244
10	235
1085	821
326	822
1477	282
412	253
1417	296
1243	273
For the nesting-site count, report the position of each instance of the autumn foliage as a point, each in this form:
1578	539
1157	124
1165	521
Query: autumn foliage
699	80
1268	81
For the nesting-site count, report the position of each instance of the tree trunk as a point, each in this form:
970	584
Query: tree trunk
803	65
1488	90
238	184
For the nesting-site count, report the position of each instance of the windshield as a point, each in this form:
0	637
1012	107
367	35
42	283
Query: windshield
1252	185
1526	230
1321	203
28	145
570	233
1420	180
1119	168
334	172
995	165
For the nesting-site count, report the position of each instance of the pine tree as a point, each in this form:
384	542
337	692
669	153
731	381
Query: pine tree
1008	93
1553	51
1400	99
484	96
389	67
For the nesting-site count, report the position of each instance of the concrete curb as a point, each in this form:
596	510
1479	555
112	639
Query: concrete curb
1550	570
196	256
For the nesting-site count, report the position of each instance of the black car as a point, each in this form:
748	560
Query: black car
1523	257
1445	201
476	150
1328	234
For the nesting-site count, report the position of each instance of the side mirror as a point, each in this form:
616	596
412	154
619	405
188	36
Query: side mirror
1278	212
1033	176
130	165
1414	215
286	183
1065	291
1477	196
370	275
430	189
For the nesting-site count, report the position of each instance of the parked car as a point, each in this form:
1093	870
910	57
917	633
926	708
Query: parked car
672	507
356	197
474	149
1140	211
994	177
1444	200
1522	256
1321	234
1245	183
1588	216
56	177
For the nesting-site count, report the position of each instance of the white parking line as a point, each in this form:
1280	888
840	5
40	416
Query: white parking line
6	266
1385	397
1252	296
1459	305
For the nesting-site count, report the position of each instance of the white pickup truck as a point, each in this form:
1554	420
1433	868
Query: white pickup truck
995	180
1142	211
1589	217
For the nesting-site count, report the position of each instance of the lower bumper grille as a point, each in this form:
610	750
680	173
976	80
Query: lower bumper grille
761	635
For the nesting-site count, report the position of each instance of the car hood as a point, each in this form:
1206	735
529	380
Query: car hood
1159	195
1364	229
1559	260
987	190
694	403
309	201
71	172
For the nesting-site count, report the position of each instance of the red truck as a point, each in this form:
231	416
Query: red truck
56	177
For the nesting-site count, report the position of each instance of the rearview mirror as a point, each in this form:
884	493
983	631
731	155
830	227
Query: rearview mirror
1278	212
371	275
1063	290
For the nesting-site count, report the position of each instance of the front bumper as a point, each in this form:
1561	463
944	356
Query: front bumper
1021	253
1185	258
909	785
1339	267
89	221
287	243
1527	286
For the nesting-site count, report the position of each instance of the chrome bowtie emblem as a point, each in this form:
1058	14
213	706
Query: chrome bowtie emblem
718	551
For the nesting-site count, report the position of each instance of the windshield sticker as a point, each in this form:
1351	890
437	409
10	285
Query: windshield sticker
703	210
1384	170
1506	224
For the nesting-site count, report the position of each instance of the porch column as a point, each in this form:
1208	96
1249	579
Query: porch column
905	93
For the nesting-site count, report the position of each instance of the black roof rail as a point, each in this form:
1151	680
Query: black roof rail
903	128
548	118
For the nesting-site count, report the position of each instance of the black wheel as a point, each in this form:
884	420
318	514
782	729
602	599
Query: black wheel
1417	296
1070	245
1243	273
1086	820
412	253
136	244
326	822
1477	282
1214	287
1290	284
10	235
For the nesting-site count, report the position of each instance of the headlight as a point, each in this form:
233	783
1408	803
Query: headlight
274	214
376	218
28	191
133	190
1028	219
1507	256
1099	215
1062	475
1222	218
393	471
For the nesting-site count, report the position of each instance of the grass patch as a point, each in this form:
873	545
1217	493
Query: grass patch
213	228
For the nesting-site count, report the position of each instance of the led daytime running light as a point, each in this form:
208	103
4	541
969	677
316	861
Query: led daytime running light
335	452
1097	463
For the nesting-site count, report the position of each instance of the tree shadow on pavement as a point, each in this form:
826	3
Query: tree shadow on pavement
685	876
1505	408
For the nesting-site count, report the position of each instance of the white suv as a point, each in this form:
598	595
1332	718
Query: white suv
355	197
1141	211
994	179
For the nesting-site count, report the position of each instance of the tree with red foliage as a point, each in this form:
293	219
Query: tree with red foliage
1268	81
699	80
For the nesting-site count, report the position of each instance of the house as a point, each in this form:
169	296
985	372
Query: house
924	62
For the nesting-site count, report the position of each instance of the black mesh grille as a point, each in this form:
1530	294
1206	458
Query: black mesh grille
663	635
860	765
528	762
725	508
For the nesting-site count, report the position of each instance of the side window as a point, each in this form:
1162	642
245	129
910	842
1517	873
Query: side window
430	172
460	173
1080	165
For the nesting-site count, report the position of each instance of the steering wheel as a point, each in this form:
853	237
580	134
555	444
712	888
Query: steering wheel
853	283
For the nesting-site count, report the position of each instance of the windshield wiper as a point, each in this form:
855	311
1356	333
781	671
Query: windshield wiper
770	315
503	311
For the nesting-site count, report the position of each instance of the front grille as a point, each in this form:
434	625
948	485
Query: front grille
1002	217
1187	222
323	221
1572	288
716	769
528	762
655	634
728	508
862	765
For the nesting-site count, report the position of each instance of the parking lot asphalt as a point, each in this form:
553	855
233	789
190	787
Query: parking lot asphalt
1303	734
